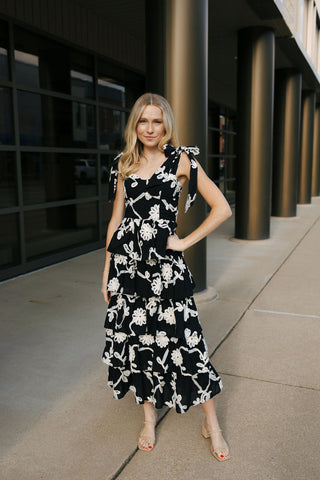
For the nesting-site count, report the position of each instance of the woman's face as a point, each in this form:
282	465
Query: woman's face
150	128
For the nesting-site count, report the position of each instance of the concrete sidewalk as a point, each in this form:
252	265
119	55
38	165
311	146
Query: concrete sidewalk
60	422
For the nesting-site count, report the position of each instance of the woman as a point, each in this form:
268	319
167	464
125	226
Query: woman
154	342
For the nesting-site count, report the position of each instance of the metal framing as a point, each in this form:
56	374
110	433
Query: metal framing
20	209
223	181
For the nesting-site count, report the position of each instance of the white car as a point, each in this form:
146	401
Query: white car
85	171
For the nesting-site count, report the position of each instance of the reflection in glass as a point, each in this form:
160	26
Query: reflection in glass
27	68
112	124
106	210
55	122
118	86
30	118
4	72
81	84
48	177
4	69
6	124
83	124
55	229
9	240
110	92
8	186
41	62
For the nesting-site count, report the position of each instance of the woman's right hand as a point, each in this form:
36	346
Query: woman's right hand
106	294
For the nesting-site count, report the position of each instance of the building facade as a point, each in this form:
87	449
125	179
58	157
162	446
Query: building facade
243	78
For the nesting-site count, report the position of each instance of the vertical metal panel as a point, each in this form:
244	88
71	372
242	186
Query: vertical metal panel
56	7
93	35
36	12
73	22
315	188
255	114
305	163
44	15
51	18
286	142
8	7
155	51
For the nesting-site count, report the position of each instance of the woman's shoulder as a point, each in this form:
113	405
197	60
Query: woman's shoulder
178	150
189	150
116	159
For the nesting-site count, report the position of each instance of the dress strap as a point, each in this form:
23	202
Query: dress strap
193	181
113	177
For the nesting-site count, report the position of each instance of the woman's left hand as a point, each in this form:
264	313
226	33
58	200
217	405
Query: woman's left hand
175	243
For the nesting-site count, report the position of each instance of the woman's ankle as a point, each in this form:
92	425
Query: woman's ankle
150	414
212	423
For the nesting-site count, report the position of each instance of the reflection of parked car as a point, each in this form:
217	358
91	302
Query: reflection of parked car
85	171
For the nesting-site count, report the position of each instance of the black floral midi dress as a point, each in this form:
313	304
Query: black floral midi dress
154	342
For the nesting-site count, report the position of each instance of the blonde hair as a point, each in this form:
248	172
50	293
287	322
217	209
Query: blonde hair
133	149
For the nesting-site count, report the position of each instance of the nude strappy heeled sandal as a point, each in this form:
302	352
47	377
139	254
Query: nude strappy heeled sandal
220	453
148	440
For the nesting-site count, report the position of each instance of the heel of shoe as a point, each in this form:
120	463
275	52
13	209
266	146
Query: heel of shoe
204	431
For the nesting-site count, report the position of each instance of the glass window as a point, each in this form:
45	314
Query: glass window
8	185
118	86
41	62
112	125
106	210
27	68
30	118
81	84
106	161
55	229
54	122
9	240
48	177
110	92
4	68
6	122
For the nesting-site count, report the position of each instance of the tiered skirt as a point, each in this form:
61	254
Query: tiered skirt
154	341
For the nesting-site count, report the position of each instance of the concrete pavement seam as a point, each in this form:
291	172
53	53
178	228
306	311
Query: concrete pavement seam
130	457
273	312
264	286
124	464
272	381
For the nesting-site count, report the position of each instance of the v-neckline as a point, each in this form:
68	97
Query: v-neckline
156	171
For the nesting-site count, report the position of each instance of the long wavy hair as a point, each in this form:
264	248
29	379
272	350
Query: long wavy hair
133	147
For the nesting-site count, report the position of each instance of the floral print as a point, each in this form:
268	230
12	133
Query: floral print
154	342
139	316
147	231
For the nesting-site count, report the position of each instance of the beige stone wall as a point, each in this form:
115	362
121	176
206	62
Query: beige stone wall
303	19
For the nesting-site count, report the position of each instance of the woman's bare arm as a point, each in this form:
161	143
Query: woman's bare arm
219	212
116	218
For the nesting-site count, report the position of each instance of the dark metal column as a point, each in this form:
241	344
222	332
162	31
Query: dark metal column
177	67
255	129
286	142
306	146
315	187
186	88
